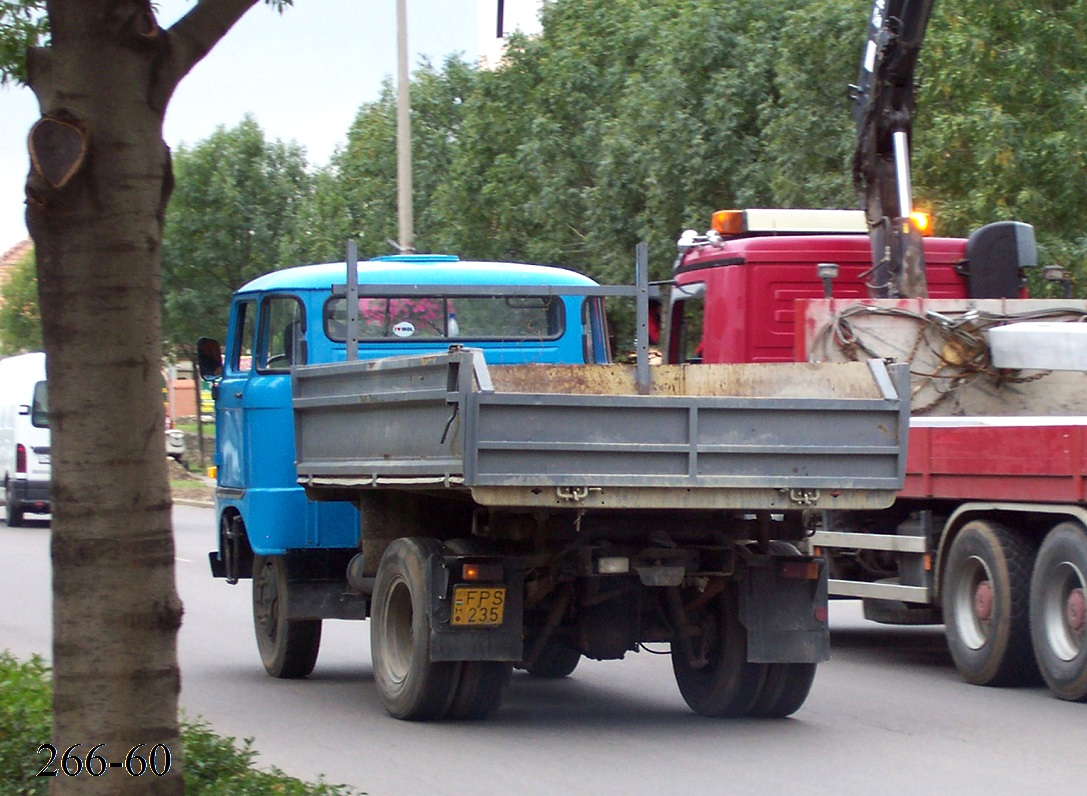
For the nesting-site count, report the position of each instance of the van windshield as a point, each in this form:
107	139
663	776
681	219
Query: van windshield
468	317
39	410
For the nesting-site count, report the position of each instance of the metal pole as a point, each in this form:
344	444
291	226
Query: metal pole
352	301
641	339
403	133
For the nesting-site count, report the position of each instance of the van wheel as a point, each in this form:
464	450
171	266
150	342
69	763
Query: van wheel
15	514
410	685
729	685
985	595
288	647
1058	612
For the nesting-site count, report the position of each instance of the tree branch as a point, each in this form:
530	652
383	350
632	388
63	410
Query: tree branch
193	36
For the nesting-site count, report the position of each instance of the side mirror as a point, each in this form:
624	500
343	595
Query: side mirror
209	358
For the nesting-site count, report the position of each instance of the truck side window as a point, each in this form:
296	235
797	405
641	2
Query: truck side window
241	355
282	334
685	341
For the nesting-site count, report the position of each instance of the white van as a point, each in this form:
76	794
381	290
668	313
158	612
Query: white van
24	436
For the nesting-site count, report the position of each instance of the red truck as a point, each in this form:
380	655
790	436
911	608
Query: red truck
989	534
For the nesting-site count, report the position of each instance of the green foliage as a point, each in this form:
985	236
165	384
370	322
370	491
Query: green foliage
999	120
25	722
23	25
217	766
20	317
214	765
356	196
237	212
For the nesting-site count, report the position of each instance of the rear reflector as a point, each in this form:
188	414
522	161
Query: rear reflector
477	572
799	570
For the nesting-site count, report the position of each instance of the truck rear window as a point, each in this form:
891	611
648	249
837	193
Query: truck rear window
400	318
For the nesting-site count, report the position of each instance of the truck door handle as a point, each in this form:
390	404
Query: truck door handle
237	395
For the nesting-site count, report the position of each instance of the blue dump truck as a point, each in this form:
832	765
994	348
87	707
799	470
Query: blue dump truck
445	448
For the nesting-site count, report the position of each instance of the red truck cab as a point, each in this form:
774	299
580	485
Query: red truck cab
735	291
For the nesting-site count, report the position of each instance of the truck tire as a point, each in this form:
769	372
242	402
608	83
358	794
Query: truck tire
480	688
288	647
787	685
786	688
14	513
410	685
985	599
555	661
729	685
1057	611
480	684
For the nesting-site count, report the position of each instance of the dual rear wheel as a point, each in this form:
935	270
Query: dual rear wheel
1016	612
410	685
730	686
1058	614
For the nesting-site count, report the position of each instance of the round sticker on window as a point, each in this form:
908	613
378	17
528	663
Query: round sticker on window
404	329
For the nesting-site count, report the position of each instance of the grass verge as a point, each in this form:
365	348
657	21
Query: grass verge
214	765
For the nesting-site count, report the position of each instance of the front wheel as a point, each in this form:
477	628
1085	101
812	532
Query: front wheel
288	647
728	685
1058	613
410	685
986	591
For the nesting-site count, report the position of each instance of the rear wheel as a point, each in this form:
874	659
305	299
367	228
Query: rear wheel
555	661
1058	613
728	685
288	647
786	688
480	684
480	688
985	598
787	685
410	685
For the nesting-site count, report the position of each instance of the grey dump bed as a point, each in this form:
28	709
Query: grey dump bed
705	436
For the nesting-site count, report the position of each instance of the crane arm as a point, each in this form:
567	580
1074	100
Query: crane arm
884	100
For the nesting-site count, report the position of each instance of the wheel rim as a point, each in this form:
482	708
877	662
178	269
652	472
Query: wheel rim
972	605
266	606
396	632
1063	611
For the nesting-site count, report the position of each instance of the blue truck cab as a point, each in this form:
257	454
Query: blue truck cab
295	317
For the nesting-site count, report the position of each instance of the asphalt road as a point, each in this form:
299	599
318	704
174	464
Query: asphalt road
887	714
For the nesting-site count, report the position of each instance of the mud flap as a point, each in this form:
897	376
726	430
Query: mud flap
451	643
784	608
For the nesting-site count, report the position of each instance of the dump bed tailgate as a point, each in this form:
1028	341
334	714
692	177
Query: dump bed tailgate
720	436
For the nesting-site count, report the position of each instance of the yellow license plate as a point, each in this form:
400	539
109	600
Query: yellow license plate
478	606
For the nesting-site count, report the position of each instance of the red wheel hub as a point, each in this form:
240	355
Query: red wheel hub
1075	610
983	601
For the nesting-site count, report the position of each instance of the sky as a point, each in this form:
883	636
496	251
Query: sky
302	75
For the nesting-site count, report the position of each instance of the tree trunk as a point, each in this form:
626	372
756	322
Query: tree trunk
96	196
